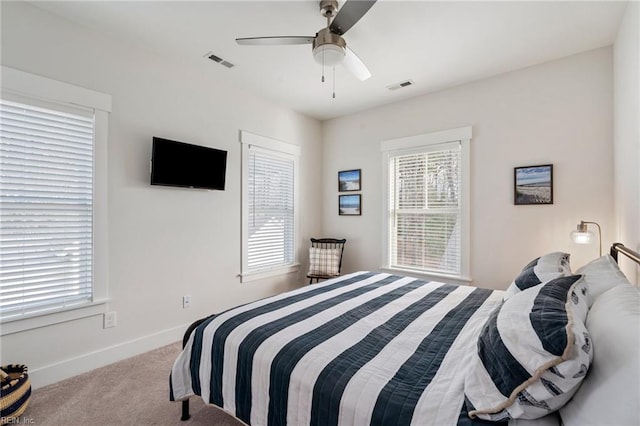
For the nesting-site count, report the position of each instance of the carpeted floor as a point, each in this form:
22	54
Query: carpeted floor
130	392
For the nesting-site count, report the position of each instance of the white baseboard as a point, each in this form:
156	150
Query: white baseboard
53	373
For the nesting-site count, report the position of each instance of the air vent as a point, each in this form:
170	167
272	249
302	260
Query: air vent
219	60
400	85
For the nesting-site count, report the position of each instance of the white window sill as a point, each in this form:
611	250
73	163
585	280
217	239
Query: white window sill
254	276
44	319
433	276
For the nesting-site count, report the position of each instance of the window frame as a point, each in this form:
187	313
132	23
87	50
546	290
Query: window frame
278	148
25	87
424	143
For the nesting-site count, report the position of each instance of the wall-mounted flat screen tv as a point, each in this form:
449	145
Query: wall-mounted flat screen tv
185	165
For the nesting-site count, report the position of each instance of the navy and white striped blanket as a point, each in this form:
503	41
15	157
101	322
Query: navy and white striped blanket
365	348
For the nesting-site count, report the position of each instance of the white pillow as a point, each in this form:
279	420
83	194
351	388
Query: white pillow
324	261
532	353
610	394
539	270
601	274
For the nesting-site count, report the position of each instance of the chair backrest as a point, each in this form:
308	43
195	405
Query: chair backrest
330	243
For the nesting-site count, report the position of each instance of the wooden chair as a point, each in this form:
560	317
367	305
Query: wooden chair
325	258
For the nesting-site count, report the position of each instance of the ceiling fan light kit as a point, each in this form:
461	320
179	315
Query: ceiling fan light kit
328	46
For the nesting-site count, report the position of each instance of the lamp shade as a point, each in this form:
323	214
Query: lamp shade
582	237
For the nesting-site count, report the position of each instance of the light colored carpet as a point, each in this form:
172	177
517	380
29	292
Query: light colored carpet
130	392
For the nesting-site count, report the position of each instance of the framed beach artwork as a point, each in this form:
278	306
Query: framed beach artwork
533	184
350	205
349	180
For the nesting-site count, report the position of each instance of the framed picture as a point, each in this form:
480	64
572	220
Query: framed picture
349	180
533	184
350	205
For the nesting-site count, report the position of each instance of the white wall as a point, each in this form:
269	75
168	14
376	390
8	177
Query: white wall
626	77
164	242
559	112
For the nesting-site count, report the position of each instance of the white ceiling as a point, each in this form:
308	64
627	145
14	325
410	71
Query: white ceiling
435	44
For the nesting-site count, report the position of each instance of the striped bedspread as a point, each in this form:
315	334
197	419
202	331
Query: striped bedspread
363	349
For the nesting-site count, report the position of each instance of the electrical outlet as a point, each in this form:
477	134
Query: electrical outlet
186	302
109	319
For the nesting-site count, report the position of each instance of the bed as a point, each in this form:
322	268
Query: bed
383	349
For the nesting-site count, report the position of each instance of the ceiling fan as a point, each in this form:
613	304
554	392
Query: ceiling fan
329	48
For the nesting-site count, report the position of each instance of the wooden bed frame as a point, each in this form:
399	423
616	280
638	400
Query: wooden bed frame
616	249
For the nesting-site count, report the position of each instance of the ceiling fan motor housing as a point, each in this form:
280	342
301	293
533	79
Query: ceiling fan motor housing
329	48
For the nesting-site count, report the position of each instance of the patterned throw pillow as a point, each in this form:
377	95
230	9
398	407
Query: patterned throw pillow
539	270
324	261
532	353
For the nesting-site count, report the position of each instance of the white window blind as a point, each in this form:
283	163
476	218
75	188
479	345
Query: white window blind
425	209
271	216
46	206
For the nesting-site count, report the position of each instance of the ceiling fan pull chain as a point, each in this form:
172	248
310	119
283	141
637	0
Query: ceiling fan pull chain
334	82
323	66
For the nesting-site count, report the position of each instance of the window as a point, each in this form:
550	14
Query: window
50	230
427	203
269	207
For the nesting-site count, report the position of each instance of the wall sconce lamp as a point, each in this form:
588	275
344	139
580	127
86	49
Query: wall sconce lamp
583	236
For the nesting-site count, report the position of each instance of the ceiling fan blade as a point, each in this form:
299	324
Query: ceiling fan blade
274	41
350	13
355	66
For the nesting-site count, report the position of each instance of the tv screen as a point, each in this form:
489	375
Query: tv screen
193	166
